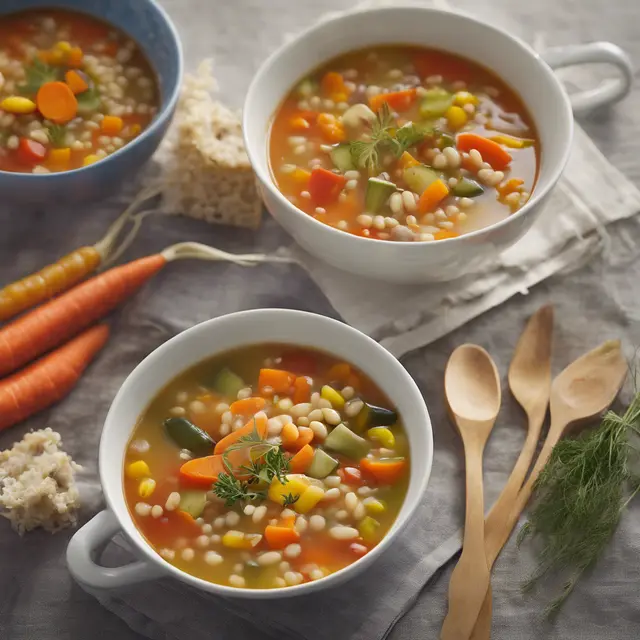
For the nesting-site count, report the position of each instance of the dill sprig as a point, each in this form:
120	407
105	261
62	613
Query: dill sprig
266	462
580	496
57	134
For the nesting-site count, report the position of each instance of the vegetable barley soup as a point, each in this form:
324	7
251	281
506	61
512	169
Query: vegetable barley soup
73	90
404	143
267	467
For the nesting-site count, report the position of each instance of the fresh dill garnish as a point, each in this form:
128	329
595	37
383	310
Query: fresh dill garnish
385	137
57	134
580	496
289	500
266	462
37	74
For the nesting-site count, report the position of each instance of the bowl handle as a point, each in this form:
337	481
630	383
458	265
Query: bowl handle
610	90
99	530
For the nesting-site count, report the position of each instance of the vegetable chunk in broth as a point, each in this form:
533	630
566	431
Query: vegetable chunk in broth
404	143
267	467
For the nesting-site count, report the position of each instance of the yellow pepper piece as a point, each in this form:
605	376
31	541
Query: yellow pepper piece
239	540
383	436
90	159
464	97
456	117
301	176
407	160
296	485
63	45
137	470
374	507
18	104
135	129
368	529
146	487
308	499
511	142
333	396
59	156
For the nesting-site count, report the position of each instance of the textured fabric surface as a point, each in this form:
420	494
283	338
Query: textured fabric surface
39	599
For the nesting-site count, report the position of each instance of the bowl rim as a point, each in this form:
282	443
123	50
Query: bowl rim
164	112
286	49
152	360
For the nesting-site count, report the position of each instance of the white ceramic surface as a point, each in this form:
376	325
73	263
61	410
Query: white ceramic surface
513	60
192	346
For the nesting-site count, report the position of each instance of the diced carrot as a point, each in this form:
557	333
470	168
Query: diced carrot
509	186
350	475
432	196
384	471
301	390
305	436
203	472
490	151
30	151
258	422
278	537
443	234
339	373
299	123
185	524
331	129
76	82
397	100
325	186
247	406
111	125
75	57
59	157
407	160
56	102
277	380
333	85
302	460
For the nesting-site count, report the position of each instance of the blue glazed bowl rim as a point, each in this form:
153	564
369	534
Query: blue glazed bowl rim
158	122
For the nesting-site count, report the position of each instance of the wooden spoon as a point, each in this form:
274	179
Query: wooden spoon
472	390
582	391
530	384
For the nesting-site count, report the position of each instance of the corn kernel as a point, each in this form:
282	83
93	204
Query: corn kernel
146	487
464	97
309	499
330	394
18	104
90	159
374	506
383	436
239	540
295	485
456	117
138	470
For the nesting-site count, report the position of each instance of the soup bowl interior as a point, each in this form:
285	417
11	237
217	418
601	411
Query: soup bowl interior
150	27
511	59
243	329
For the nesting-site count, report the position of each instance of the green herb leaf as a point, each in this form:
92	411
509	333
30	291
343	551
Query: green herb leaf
289	499
57	134
88	101
37	74
410	134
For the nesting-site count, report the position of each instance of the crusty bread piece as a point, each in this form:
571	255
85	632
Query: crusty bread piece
206	172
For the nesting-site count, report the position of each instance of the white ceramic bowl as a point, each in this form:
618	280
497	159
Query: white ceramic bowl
513	60
185	350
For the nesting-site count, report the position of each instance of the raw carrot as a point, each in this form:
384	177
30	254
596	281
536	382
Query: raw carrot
339	373
76	82
279	537
277	380
302	460
30	151
247	406
325	186
50	379
56	102
203	472
258	422
301	390
305	436
490	151
432	195
384	471
58	320
397	100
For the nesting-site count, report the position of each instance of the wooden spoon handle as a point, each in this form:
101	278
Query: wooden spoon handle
470	578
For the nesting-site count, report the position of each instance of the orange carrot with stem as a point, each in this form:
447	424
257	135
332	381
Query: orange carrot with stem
50	379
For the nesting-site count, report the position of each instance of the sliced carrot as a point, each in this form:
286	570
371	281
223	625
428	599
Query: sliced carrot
332	83
407	160
56	102
301	390
277	380
203	472
49	379
444	234
331	129
397	100
384	471
258	422
302	460
185	522
305	436
325	186
30	151
247	406
278	537
490	151
76	82
432	196
111	125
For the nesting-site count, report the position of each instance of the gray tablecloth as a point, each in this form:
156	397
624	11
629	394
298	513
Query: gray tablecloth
38	598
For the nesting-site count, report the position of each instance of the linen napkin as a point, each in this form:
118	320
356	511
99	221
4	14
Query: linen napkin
591	195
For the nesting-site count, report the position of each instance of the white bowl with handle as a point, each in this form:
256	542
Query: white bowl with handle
530	74
187	349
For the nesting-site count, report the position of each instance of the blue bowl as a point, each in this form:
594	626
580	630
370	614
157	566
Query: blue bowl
148	24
